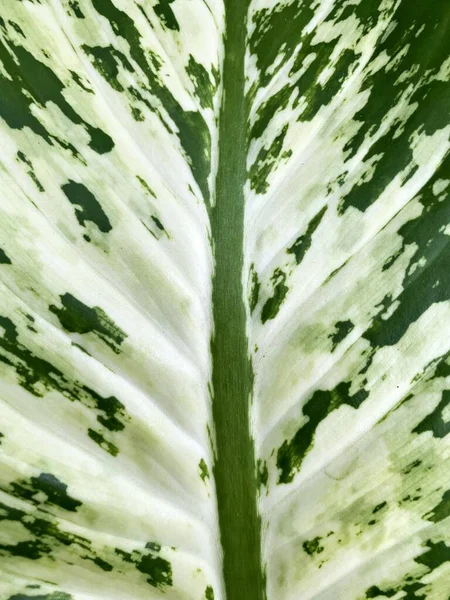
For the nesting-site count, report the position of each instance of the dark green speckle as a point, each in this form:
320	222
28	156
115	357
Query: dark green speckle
313	546
379	507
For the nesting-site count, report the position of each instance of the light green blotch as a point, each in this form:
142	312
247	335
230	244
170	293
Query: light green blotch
204	471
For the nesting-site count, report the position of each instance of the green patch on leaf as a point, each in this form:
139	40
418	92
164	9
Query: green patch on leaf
104	566
442	510
254	288
75	6
427	281
313	546
342	329
104	444
87	207
51	596
26	81
106	59
54	490
22	158
262	473
273	304
291	454
209	593
204	87
435	422
158	570
379	507
77	317
437	554
192	130
145	185
303	243
374	592
4	259
413	465
166	14
37	376
159	227
268	160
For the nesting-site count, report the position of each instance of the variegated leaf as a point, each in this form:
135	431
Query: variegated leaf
224	299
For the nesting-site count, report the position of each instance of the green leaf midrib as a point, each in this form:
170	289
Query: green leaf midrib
234	469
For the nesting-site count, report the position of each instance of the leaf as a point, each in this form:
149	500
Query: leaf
224	297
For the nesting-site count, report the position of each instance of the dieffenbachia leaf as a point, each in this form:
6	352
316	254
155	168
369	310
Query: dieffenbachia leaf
224	299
